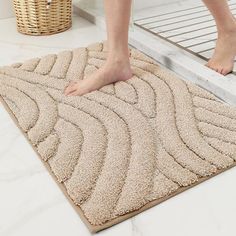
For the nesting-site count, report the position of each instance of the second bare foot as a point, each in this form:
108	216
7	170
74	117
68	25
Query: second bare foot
222	60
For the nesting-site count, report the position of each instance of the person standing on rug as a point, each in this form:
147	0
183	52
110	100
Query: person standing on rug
117	66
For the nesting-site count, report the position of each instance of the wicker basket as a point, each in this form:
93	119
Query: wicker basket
37	17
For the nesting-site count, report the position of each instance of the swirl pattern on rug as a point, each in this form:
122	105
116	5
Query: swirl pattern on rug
130	143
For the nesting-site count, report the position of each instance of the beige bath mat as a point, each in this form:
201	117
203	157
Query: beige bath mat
125	148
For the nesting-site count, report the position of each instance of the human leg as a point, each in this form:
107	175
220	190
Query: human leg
117	66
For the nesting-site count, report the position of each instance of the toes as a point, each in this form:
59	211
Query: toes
226	71
208	64
70	88
220	70
216	68
76	93
211	65
67	89
213	68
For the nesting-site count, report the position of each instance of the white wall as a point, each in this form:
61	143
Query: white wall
6	8
139	4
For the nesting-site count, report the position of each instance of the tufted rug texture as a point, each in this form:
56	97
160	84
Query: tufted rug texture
121	150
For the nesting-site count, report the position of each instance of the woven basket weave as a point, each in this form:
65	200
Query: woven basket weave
34	18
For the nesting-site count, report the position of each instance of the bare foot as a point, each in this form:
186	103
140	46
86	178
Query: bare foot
111	72
222	60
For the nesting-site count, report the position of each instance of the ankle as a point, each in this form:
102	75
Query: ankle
119	54
227	29
227	34
118	60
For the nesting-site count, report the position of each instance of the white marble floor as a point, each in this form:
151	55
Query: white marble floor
32	204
